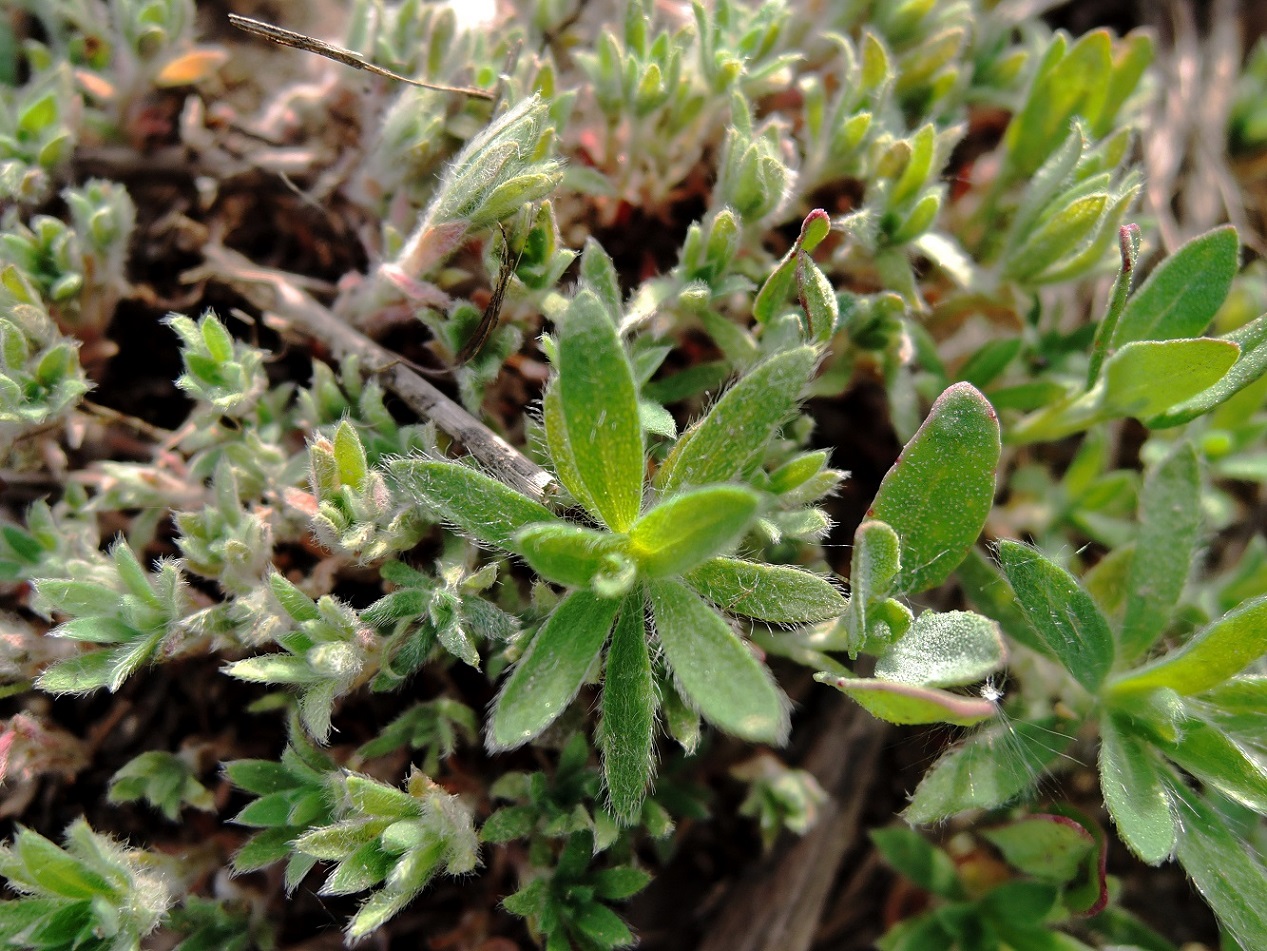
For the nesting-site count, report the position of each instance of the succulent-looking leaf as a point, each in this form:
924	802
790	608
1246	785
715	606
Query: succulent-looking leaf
552	670
777	593
737	428
716	672
600	408
1221	649
691	527
482	507
629	705
938	493
1061	612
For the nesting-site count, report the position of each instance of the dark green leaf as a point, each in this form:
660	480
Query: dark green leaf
938	493
550	673
483	508
1170	529
1062	614
716	671
775	593
917	859
1135	792
629	704
1182	294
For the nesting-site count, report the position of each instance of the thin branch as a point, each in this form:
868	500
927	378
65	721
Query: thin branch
309	44
300	310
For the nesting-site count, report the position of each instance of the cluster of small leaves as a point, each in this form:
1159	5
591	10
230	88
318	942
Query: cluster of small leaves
1049	874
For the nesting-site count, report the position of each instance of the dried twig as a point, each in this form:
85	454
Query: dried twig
304	313
309	44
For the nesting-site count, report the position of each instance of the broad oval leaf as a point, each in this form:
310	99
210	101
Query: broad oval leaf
1049	847
908	704
1184	291
1147	378
567	554
552	670
1060	612
626	730
939	492
944	649
990	768
600	408
1250	366
1135	792
737	428
777	593
482	507
716	672
689	528
1221	649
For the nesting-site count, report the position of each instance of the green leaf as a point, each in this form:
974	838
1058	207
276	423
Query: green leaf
989	769
552	670
56	871
915	858
818	298
96	630
598	273
1182	294
1170	530
1252	363
560	446
1212	756
1221	649
295	603
483	508
777	593
79	598
690	527
619	883
908	704
1062	614
946	649
600	407
350	455
1053	240
629	704
1051	848
260	776
716	671
1228	876
721	445
939	492
567	554
82	674
1135	792
1148	378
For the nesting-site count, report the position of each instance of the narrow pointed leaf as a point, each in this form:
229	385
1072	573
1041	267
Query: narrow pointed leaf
1221	649
552	670
629	705
1170	530
1135	792
716	672
777	593
1212	756
1183	292
691	527
482	507
600	407
939	492
721	445
1061	613
1227	874
908	704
